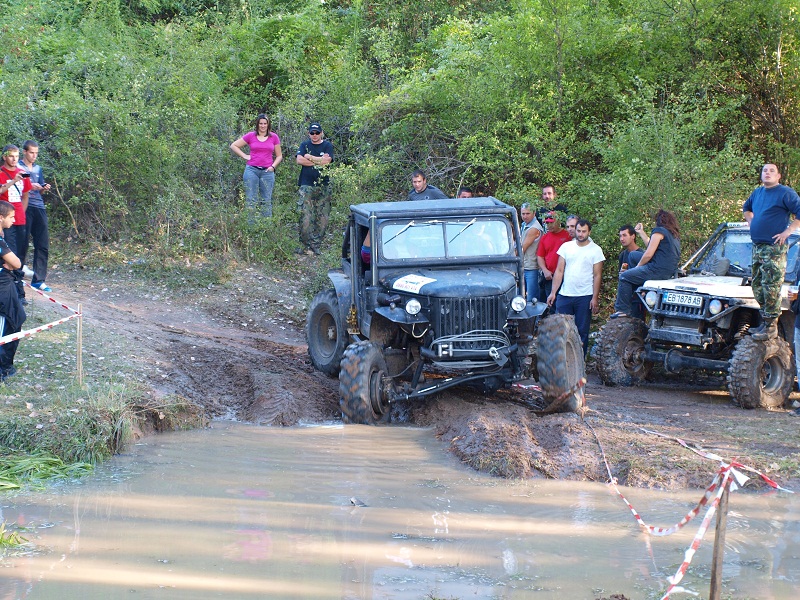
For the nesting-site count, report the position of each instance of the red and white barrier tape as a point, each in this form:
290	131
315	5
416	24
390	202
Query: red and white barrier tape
29	332
711	491
725	477
51	299
728	475
657	531
711	456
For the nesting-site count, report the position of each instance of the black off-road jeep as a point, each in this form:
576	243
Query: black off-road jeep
700	320
439	303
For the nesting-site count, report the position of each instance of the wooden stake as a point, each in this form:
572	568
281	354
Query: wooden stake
719	544
80	346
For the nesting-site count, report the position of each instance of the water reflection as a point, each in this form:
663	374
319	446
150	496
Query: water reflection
367	513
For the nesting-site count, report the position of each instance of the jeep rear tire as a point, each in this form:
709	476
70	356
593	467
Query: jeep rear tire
620	352
761	373
362	385
325	333
559	354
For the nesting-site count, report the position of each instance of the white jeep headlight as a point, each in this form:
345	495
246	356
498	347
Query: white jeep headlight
413	306
518	303
715	307
650	298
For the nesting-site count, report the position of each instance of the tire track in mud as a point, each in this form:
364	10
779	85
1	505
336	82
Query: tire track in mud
250	379
191	353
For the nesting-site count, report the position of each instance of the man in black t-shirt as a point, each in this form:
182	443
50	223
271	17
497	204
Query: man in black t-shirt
421	190
12	315
627	238
314	200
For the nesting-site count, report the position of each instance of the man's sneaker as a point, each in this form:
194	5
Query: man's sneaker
24	301
10	372
26	271
41	286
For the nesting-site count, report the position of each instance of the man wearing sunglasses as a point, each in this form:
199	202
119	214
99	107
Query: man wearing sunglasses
314	201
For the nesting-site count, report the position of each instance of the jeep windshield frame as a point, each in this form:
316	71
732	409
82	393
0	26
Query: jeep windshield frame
732	241
373	215
446	239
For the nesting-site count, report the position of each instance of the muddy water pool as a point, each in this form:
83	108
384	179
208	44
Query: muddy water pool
239	511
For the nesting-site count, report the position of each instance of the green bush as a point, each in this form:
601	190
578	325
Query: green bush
655	160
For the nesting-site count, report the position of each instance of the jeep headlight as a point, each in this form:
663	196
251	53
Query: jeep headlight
650	298
518	303
413	306
715	307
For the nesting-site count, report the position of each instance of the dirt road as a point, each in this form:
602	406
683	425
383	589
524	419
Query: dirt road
238	351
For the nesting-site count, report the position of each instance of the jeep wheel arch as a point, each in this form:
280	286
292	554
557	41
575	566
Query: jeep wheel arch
761	373
325	332
362	385
620	352
559	354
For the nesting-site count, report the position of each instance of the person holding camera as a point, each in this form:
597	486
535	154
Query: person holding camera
15	185
37	229
259	174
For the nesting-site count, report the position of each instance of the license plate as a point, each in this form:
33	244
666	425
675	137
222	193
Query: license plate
683	299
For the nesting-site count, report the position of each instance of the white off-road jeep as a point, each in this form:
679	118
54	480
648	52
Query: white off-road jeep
700	320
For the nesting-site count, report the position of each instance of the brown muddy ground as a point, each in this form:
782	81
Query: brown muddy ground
238	351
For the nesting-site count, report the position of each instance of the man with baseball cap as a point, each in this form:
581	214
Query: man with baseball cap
314	201
547	252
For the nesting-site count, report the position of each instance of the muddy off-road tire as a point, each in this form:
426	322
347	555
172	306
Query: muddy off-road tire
761	373
325	333
620	352
559	354
361	385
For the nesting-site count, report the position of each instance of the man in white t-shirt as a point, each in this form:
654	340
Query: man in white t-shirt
580	269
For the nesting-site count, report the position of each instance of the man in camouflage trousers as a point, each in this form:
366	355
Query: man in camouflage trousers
314	191
767	210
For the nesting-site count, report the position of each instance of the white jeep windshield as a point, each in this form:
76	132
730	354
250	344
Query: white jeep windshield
735	246
448	238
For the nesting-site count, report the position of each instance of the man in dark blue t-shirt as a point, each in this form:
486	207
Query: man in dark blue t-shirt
767	210
314	200
421	190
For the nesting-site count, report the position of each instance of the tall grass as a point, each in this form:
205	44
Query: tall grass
19	468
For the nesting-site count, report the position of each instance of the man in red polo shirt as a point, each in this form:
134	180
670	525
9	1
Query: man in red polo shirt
547	252
15	184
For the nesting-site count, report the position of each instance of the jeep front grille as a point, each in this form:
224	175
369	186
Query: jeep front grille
677	310
455	316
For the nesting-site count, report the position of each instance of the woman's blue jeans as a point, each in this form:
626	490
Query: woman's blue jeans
258	186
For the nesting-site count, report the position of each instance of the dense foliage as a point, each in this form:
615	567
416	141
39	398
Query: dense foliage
625	105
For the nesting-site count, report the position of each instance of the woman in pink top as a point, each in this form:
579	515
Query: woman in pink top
259	174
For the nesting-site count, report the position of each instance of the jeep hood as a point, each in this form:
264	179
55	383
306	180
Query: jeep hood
714	285
442	283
